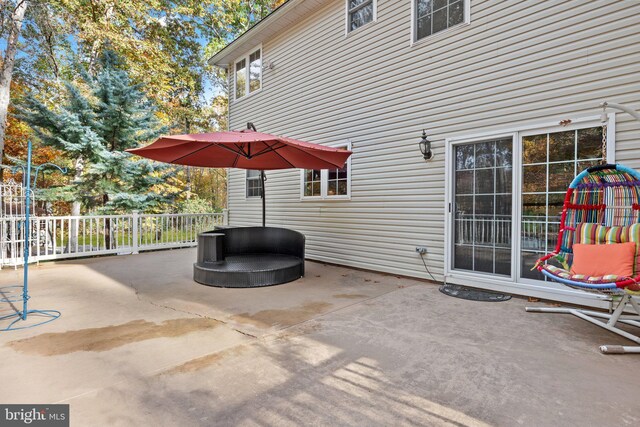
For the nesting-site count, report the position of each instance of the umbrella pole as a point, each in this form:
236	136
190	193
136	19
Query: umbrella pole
263	179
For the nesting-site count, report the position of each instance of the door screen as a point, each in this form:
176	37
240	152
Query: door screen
482	206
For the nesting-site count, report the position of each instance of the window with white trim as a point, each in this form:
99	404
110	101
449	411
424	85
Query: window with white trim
255	71
337	182
253	183
359	13
312	183
433	16
248	73
327	183
241	78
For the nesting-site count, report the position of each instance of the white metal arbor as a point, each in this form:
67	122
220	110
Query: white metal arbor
13	197
17	318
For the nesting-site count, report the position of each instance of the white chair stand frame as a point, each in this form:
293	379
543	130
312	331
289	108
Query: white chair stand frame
609	322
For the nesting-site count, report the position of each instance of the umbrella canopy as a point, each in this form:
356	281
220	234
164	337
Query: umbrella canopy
244	149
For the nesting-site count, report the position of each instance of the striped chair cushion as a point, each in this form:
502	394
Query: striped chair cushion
629	233
565	274
588	233
595	234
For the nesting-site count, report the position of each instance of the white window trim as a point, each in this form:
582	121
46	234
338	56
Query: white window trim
246	177
347	31
247	63
324	179
513	284
322	186
413	37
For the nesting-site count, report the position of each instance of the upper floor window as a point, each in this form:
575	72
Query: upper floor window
433	16
328	183
255	71
248	73
241	78
359	13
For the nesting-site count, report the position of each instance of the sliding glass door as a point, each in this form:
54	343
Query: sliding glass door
506	198
482	206
550	161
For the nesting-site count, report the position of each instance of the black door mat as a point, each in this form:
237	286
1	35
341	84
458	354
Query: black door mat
472	294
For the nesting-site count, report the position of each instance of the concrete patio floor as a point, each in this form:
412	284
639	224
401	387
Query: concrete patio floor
139	343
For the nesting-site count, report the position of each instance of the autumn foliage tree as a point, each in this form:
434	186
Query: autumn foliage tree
98	120
18	133
163	45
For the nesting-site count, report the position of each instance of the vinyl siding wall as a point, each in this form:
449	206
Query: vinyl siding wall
517	63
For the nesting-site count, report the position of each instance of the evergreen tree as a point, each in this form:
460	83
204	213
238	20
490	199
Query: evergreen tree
99	118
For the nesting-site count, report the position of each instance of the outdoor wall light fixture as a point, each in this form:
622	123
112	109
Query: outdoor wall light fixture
268	65
425	147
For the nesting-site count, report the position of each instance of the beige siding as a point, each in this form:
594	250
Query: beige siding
517	64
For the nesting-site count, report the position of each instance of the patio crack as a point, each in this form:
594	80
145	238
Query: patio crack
177	310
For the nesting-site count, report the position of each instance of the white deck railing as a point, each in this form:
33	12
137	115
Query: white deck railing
496	230
59	237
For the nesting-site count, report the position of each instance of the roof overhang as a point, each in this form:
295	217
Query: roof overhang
285	16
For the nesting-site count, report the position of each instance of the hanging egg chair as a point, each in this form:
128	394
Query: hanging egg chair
601	207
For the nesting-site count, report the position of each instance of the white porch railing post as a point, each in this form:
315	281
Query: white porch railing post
225	216
130	233
135	219
3	248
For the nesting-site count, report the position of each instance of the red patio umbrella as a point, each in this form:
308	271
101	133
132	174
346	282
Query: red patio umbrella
244	149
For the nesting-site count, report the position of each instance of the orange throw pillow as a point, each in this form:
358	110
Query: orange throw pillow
603	260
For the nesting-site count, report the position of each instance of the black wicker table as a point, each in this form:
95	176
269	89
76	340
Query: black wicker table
247	257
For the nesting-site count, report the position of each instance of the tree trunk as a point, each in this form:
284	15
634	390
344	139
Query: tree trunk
187	130
97	45
7	67
107	225
93	57
75	209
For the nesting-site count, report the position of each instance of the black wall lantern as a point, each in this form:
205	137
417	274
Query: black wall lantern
425	147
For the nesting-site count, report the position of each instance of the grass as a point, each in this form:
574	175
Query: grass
147	238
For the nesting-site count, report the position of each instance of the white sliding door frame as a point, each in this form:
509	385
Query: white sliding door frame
450	190
514	284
